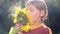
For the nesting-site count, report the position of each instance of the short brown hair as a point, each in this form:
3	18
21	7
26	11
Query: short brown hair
40	5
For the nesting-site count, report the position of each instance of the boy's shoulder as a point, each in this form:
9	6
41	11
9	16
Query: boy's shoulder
44	30
47	29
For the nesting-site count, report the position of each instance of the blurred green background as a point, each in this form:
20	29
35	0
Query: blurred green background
6	22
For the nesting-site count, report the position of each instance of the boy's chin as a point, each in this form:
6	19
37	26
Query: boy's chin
34	20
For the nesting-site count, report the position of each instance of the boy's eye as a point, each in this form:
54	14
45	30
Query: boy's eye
31	10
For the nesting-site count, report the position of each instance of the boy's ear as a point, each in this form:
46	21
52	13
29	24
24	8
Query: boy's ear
42	13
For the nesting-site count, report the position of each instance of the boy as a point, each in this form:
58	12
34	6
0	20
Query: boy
38	11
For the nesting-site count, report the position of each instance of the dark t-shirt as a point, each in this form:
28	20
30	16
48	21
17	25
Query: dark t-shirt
40	30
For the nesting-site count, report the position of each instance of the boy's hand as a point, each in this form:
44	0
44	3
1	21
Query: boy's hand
19	33
17	27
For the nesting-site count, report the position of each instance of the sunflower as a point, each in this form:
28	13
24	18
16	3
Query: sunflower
23	17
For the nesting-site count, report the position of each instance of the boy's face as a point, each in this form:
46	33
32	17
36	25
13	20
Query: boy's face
34	12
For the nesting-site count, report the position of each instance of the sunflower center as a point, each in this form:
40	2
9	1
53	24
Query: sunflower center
22	18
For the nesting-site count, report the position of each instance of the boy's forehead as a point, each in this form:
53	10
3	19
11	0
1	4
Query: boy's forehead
29	5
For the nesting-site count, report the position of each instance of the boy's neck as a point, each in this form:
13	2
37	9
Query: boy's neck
37	24
38	21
